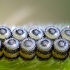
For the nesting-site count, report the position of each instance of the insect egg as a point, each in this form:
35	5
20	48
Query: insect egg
65	33
52	32
27	49
60	49
4	33
11	48
44	47
1	49
19	33
36	33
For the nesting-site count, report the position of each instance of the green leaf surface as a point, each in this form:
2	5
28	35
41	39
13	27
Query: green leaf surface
35	64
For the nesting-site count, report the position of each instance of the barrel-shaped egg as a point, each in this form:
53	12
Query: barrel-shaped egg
11	48
19	33
1	48
65	33
4	33
44	48
52	32
36	33
27	49
60	50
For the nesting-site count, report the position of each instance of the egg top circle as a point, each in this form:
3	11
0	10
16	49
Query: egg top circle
52	32
44	44
19	33
65	33
61	45
11	44
4	32
36	33
28	45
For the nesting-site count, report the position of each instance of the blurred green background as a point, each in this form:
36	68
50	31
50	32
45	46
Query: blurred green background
34	12
19	12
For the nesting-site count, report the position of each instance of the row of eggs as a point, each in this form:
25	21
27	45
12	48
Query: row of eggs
42	43
35	33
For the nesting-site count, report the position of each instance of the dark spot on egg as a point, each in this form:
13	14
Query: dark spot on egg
3	31
28	43
67	32
11	42
19	32
61	43
52	31
44	43
36	32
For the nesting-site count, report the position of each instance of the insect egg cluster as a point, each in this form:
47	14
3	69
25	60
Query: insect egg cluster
36	42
